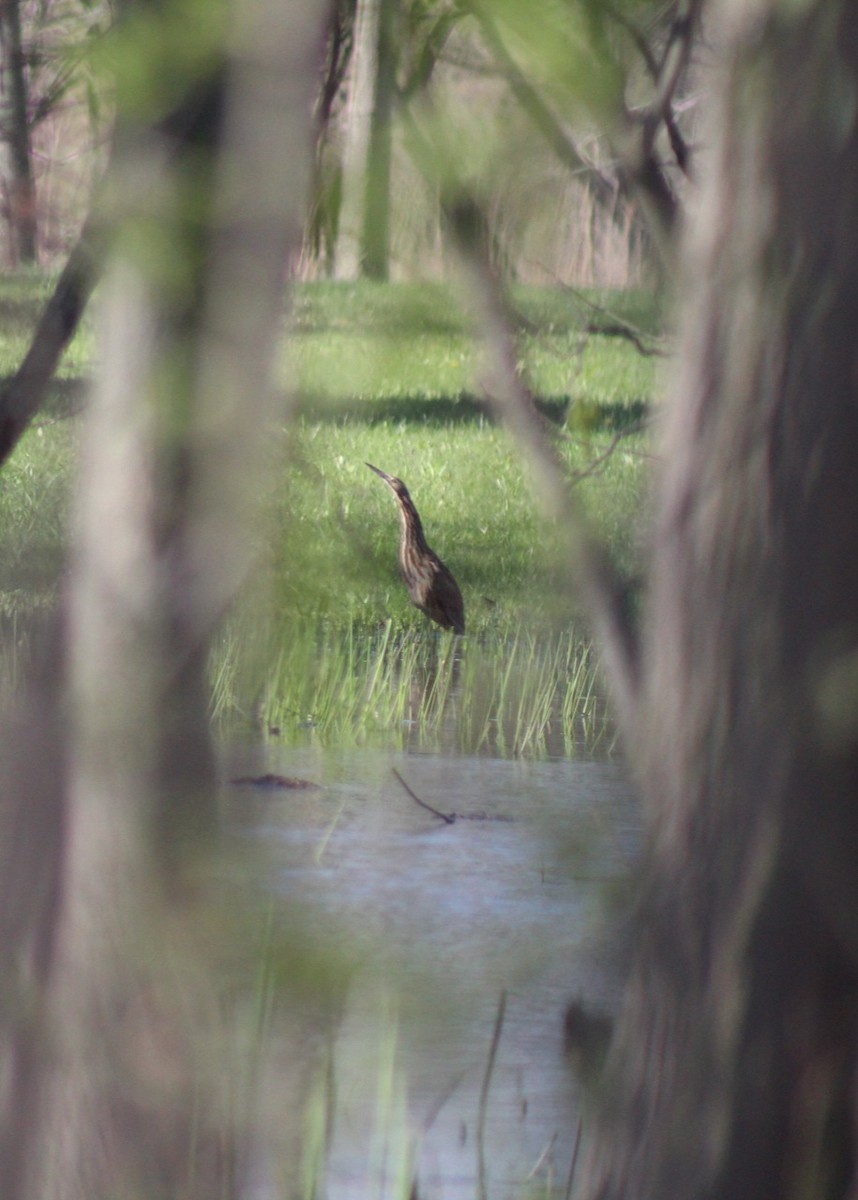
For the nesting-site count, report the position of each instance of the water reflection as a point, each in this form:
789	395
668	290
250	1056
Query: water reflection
443	919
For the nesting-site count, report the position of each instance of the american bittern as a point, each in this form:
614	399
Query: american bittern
430	582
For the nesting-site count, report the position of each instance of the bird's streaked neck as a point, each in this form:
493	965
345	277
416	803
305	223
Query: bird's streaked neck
409	520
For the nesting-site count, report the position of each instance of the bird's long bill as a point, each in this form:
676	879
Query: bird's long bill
384	475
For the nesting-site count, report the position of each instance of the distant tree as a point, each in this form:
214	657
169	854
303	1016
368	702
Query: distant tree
395	50
611	58
326	189
363	230
641	53
376	217
43	65
16	172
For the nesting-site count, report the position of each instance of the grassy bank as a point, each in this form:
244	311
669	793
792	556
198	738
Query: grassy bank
325	643
389	375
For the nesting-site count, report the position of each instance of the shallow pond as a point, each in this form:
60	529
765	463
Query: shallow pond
509	899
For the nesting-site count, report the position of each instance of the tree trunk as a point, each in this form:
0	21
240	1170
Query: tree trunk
376	224
18	184
733	1068
363	236
116	1023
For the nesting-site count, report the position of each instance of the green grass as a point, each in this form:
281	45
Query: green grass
22	297
34	489
389	374
522	694
336	550
358	349
385	375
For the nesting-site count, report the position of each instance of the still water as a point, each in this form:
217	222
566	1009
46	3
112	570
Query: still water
512	899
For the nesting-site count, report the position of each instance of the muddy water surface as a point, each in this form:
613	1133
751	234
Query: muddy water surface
509	900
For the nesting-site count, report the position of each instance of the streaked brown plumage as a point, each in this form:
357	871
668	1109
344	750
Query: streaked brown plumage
430	582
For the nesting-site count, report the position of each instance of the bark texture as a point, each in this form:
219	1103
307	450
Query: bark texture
117	1021
358	139
733	1069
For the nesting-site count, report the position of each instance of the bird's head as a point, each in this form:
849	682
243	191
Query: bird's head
392	482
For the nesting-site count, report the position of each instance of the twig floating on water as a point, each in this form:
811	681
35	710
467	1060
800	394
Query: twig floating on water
451	818
447	818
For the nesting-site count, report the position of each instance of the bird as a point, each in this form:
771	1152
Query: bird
430	582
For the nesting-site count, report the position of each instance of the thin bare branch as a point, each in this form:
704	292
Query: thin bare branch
662	108
338	56
638	165
599	464
618	327
537	108
604	593
622	330
420	72
677	52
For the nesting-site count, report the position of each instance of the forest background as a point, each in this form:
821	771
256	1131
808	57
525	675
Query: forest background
730	659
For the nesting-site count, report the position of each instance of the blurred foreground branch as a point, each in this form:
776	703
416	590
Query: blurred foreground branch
604	593
117	1032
